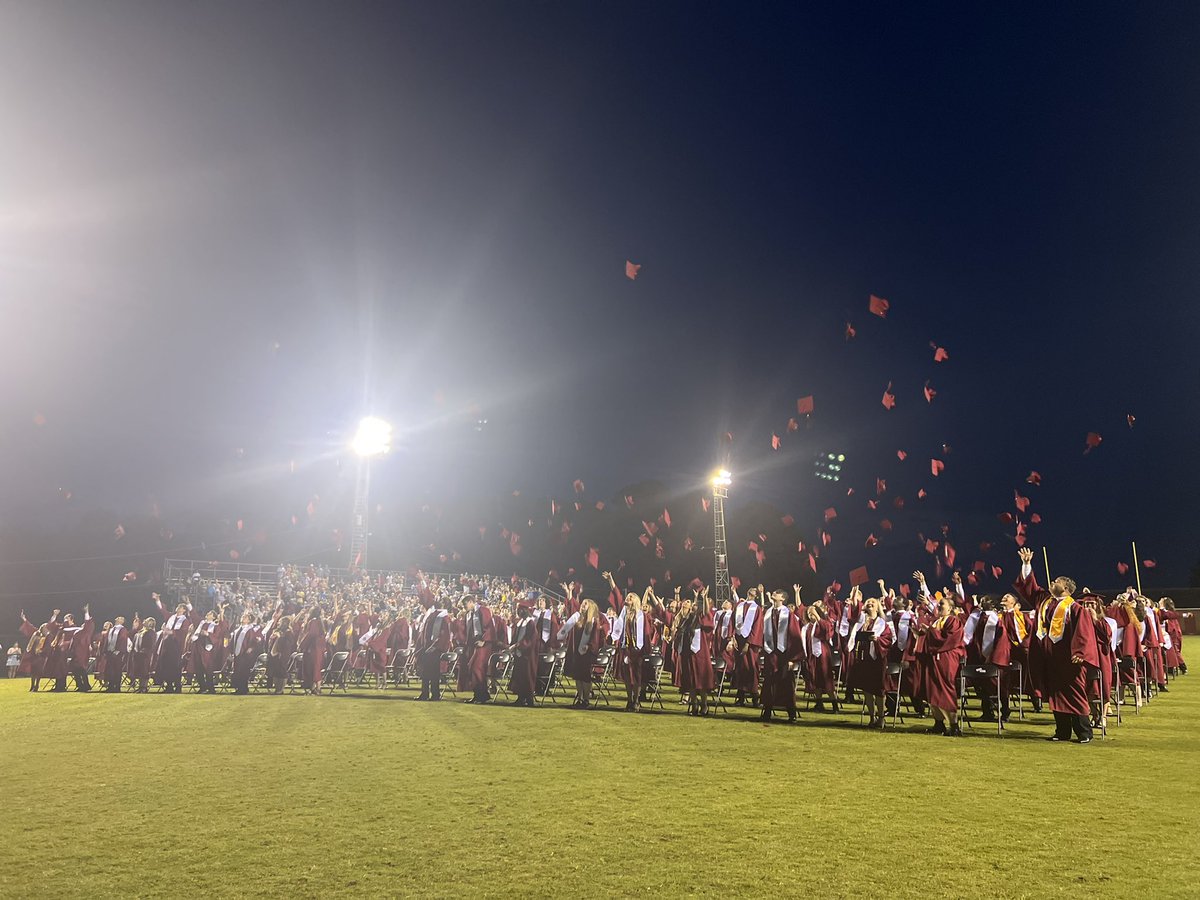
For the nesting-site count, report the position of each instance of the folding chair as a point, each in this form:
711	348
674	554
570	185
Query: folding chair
225	676
652	667
961	680
896	671
258	673
560	671
547	668
981	671
1096	677
1020	670
602	674
721	673
1128	664
449	674
499	671
1116	689
291	677
335	673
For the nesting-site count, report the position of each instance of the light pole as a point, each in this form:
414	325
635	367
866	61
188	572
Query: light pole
373	438
720	491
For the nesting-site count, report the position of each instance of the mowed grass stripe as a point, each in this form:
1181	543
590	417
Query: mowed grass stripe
167	796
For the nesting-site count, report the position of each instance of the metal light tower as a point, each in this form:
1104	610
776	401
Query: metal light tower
373	438
720	489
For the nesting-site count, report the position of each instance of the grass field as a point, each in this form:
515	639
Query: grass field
188	795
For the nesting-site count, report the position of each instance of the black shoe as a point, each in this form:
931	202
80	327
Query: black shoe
1162	688
1037	704
765	715
740	701
938	728
1057	740
1085	740
792	717
990	717
820	707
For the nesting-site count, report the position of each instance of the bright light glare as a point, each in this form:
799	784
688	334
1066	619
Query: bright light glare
722	479
374	437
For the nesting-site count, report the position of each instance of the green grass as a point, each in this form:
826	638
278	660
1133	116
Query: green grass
170	796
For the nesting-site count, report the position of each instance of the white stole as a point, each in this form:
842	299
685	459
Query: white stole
772	641
811	642
1115	632
567	626
969	627
989	635
747	612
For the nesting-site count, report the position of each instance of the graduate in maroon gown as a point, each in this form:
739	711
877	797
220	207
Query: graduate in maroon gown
433	640
547	639
748	641
1069	642
724	646
583	634
245	645
523	682
311	643
206	646
693	647
1173	633
632	633
940	649
28	630
1154	644
816	637
870	642
851	614
902	621
479	643
1100	682
74	652
37	651
372	654
115	646
782	646
168	652
988	645
281	645
141	653
1128	653
1035	599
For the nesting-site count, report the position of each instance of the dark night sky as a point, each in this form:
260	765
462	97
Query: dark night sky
429	206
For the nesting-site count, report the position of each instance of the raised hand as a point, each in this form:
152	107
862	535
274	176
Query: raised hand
1026	556
919	576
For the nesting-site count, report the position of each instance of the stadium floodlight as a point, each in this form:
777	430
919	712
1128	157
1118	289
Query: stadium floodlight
723	478
373	438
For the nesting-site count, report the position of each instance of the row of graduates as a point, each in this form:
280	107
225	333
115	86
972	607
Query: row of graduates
296	641
198	648
862	640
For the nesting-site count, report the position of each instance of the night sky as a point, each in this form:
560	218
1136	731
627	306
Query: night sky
228	230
